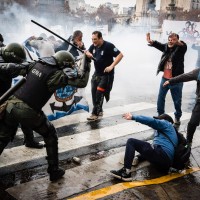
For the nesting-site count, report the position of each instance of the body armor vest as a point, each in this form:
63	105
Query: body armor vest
35	91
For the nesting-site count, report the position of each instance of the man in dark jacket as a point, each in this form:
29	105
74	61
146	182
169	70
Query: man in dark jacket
195	117
25	106
172	64
75	39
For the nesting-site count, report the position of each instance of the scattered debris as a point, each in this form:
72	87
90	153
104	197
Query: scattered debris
101	153
77	160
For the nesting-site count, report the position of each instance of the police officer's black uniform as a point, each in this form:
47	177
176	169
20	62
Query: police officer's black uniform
5	84
43	78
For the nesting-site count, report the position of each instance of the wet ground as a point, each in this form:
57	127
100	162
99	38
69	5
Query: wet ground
29	179
186	187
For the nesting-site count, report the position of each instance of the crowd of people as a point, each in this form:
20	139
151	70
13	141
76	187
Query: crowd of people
47	74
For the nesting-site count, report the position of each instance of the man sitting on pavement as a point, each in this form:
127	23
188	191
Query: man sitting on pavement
160	154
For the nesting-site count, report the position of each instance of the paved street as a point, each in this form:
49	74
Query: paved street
100	146
89	150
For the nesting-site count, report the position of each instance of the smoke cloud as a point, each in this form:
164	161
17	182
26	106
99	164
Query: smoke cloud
135	75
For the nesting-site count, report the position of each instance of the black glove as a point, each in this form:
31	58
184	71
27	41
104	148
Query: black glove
13	70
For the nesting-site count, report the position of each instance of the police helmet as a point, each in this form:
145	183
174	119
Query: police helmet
64	59
14	52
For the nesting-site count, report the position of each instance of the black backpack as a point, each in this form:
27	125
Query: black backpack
182	152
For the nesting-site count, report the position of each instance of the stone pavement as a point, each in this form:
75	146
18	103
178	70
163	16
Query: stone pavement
93	181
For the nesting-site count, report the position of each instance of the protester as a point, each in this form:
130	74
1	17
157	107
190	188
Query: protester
195	117
54	42
75	39
66	99
71	93
172	64
160	154
103	77
5	84
42	47
25	106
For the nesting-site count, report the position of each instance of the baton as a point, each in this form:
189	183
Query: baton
11	91
60	37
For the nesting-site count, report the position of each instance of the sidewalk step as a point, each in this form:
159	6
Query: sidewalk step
75	180
68	143
83	178
82	143
9	157
109	112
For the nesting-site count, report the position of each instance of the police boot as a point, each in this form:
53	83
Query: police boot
33	144
54	171
29	140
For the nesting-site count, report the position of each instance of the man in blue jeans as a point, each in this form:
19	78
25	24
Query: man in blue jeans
160	154
172	64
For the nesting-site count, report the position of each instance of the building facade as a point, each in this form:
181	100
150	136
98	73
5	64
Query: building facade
142	6
186	5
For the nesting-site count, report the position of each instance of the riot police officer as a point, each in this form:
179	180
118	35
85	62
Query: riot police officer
15	53
43	78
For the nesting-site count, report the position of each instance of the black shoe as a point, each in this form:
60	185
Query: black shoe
121	174
56	174
34	144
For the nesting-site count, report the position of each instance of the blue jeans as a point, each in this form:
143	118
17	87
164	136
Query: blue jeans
155	155
176	92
